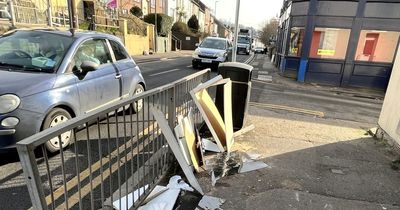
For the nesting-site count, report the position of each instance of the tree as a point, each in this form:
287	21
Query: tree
269	31
164	23
193	23
136	11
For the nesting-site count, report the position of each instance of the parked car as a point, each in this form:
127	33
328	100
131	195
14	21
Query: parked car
48	77
212	51
259	50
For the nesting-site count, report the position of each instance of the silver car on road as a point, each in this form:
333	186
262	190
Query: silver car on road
211	52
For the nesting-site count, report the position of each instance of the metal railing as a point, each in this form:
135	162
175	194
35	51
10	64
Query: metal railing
114	153
29	15
177	42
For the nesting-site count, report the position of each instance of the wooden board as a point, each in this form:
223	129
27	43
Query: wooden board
169	136
220	128
211	116
190	138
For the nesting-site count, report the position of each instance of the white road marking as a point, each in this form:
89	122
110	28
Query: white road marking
189	66
164	72
262	72
265	78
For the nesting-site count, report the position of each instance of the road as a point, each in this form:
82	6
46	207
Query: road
13	191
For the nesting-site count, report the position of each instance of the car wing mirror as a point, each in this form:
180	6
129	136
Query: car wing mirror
197	44
86	67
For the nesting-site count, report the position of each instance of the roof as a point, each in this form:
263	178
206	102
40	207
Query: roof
213	37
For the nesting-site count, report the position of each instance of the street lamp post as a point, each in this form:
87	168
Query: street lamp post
215	8
236	31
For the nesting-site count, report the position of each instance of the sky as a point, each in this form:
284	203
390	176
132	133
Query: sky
252	12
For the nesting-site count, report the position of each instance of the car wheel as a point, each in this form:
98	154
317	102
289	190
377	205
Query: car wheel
138	105
195	65
56	117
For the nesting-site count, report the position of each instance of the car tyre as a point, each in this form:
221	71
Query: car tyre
195	65
138	105
56	117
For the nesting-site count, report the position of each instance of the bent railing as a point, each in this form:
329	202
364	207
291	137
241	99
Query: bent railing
114	153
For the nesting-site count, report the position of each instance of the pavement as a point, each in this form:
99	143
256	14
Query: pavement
317	161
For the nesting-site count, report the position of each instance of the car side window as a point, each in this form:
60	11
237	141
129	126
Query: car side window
119	51
92	50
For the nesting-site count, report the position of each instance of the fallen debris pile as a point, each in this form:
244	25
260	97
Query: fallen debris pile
202	153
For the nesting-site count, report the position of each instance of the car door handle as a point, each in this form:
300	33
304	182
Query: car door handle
118	76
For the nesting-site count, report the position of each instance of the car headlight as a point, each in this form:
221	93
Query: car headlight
220	54
9	103
196	52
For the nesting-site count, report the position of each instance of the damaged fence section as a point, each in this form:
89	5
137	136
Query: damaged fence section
117	156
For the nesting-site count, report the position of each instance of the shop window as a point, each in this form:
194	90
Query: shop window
377	46
296	41
329	43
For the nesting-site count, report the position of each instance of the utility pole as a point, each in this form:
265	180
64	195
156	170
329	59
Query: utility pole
11	5
215	9
49	13
73	24
155	31
236	31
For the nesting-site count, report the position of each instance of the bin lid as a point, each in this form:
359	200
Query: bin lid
236	66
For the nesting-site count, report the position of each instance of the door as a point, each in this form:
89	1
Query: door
370	45
125	67
102	86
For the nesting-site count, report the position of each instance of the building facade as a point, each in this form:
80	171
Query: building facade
340	43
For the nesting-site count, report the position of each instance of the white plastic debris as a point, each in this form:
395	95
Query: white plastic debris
211	203
176	182
132	198
166	200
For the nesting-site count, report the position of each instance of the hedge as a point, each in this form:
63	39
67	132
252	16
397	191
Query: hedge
164	23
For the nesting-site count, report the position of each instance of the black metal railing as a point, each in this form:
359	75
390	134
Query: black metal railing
115	151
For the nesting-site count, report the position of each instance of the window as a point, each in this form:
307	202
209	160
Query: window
94	51
377	46
34	50
329	43
153	3
119	51
296	41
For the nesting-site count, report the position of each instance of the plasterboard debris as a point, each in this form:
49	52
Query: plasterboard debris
170	137
208	145
211	203
182	141
244	130
337	171
252	166
132	198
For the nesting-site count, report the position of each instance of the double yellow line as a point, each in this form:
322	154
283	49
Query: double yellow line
287	108
85	190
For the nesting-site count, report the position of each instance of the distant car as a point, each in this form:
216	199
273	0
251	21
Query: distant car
259	50
211	52
48	77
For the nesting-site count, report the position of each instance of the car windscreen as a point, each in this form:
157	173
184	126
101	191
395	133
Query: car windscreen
243	40
33	50
219	44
